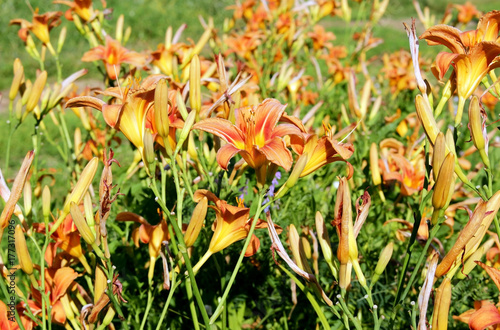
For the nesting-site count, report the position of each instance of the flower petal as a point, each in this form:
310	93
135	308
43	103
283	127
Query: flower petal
267	115
445	35
277	153
486	316
225	154
224	129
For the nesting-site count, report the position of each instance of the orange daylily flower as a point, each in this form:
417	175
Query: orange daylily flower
255	135
232	224
8	321
40	26
467	12
83	8
473	53
113	54
135	113
322	151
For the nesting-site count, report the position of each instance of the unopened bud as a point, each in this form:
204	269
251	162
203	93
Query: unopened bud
444	183
100	284
383	261
28	87
149	150
438	155
62	38
119	28
36	91
442	306
323	238
89	212
195	84
17	80
424	113
374	165
298	249
181	106
162	122
197	219
46	201
27	198
478	130
82	185
81	224
126	37
188	124
22	251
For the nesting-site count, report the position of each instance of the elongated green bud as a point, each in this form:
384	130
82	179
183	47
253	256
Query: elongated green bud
23	253
195	84
81	224
424	113
197	219
18	79
383	261
446	179
36	91
294	176
82	185
442	306
188	124
46	201
162	122
377	179
438	155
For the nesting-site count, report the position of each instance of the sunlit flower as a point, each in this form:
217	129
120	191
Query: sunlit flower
135	112
255	135
40	26
467	12
473	53
320	37
113	54
83	8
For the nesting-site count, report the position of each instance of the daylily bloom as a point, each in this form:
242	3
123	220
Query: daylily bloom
7	318
467	12
255	136
322	151
473	53
232	224
135	113
113	54
40	26
83	8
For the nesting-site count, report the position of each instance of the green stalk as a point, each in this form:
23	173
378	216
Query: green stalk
346	310
169	298
310	297
148	306
192	307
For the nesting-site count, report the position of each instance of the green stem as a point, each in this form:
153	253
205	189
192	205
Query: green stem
148	306
192	307
183	249
238	264
167	303
346	310
310	297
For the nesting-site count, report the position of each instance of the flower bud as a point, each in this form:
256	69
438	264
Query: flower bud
478	130
161	110
424	113
383	260
36	91
323	238
181	106
374	165
188	124
444	183
22	251
82	185
17	80
149	150
100	284
81	224
438	155
19	110
470	263
62	38
119	28
46	201
197	219
442	306
298	249
27	198
28	87
195	84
